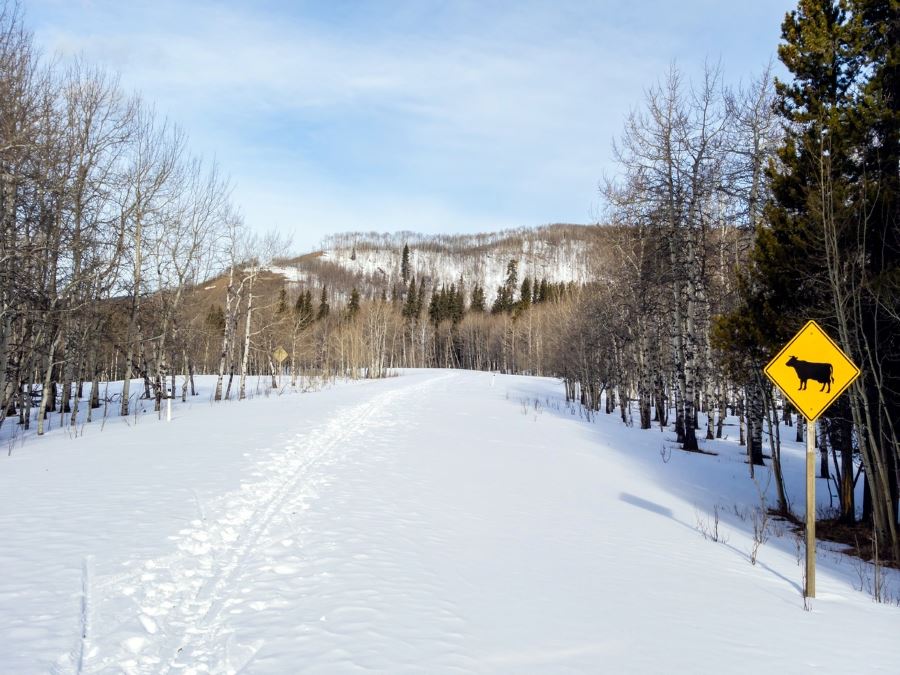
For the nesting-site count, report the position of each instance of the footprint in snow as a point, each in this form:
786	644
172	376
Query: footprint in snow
148	624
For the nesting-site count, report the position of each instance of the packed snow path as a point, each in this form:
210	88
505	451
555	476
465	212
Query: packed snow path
436	522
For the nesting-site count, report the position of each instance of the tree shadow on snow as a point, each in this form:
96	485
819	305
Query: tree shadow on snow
648	506
653	507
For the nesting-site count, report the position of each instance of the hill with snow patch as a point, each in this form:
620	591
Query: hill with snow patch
372	261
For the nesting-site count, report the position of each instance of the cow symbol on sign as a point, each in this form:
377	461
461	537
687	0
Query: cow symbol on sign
822	373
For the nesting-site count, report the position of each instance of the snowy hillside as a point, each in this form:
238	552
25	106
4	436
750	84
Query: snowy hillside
440	521
561	253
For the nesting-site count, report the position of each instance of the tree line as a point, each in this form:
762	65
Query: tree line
461	244
106	221
330	333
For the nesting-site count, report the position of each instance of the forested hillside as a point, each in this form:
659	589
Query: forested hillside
375	261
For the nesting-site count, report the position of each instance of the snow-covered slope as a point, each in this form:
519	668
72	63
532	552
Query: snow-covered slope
440	521
539	259
563	253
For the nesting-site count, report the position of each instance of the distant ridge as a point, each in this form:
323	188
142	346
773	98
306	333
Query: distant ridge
370	261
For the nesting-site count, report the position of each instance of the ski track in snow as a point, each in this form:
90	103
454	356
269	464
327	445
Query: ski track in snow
171	614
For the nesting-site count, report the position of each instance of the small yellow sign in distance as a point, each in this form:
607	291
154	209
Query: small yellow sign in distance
279	354
812	371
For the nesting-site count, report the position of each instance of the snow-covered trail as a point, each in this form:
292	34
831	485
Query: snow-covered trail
441	521
240	555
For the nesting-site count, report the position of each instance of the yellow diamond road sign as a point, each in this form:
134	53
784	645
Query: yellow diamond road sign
812	371
280	355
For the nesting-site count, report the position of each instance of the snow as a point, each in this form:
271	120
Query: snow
561	262
440	521
481	260
293	274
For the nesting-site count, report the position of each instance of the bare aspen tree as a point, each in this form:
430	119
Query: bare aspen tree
233	238
672	154
98	118
181	252
155	153
259	254
20	85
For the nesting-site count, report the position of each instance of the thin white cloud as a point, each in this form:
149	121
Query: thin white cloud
371	121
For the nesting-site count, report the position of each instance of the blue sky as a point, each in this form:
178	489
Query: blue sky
422	115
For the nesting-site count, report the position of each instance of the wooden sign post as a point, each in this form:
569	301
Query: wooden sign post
823	372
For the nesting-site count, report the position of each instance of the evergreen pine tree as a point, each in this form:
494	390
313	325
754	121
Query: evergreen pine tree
512	281
434	306
420	299
477	304
506	294
353	304
404	264
410	310
458	304
525	294
324	309
501	302
303	308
